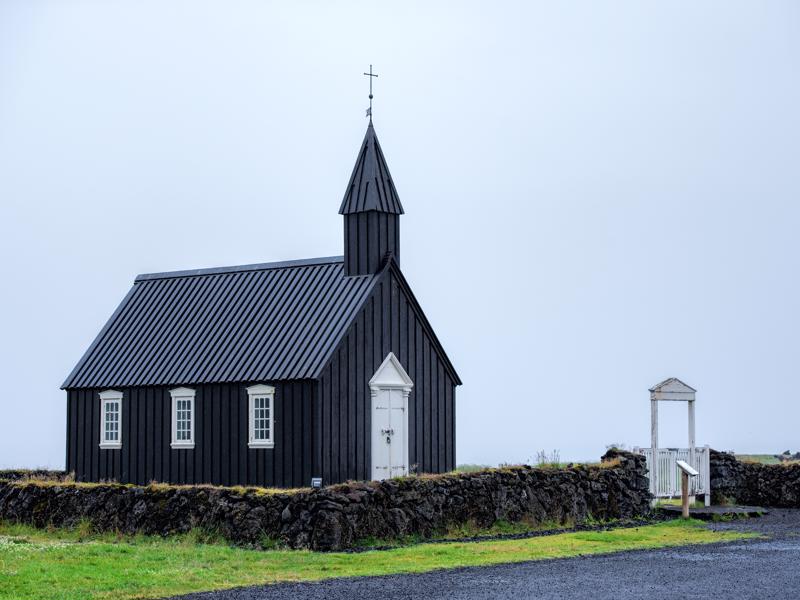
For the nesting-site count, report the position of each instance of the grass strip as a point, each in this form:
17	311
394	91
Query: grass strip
68	564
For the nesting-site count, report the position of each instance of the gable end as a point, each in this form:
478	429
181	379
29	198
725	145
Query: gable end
392	273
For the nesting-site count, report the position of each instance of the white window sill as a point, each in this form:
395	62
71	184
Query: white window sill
182	445
111	445
257	445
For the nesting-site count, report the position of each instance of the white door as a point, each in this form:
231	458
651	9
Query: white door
390	387
389	439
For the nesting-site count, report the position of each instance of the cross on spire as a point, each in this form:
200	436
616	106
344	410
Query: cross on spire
370	75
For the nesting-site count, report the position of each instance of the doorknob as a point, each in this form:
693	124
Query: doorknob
388	433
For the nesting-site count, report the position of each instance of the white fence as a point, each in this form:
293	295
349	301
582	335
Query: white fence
669	477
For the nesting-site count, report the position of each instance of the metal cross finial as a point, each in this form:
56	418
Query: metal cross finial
370	75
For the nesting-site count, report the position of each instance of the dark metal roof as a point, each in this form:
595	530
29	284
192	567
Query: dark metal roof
262	322
371	186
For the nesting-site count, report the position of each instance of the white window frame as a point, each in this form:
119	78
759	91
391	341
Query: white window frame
106	397
182	394
260	391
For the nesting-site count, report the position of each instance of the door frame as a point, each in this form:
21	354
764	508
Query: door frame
389	376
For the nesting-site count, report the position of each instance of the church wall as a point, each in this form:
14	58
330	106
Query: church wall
387	323
220	455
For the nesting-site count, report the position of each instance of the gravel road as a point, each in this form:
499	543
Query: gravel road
763	569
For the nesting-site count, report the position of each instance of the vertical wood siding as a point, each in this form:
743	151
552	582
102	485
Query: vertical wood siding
368	236
220	455
387	323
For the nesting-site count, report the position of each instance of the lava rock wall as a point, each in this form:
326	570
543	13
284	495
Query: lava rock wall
339	516
734	481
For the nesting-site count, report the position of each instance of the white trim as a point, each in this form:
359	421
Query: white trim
260	391
383	376
183	394
106	397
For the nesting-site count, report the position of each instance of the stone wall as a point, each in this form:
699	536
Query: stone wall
336	517
734	481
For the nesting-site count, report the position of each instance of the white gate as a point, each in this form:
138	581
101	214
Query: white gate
669	477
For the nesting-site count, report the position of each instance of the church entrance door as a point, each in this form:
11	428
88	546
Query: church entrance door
390	388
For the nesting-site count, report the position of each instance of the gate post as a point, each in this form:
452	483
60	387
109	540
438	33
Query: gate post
654	449
691	447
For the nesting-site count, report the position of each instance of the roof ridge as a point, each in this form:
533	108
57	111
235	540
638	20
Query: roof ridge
303	262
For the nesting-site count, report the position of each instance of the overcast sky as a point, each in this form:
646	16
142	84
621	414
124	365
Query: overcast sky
598	195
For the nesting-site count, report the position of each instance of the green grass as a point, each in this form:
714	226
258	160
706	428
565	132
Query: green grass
78	564
764	459
471	529
729	517
468	530
471	468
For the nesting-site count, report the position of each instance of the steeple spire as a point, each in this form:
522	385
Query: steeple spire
371	186
371	209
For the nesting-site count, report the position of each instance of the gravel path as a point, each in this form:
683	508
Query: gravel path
763	569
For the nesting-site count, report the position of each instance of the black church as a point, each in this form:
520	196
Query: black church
271	374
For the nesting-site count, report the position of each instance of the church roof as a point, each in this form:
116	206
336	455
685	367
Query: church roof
371	186
263	322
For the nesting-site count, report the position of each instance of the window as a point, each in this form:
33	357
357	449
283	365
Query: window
262	416
111	419
182	418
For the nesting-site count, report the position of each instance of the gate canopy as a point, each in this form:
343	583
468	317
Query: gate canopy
672	389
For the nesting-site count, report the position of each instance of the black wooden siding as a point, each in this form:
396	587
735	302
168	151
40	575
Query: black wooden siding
368	236
389	321
220	455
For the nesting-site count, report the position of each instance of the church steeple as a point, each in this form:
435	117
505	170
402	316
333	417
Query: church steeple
371	186
371	210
